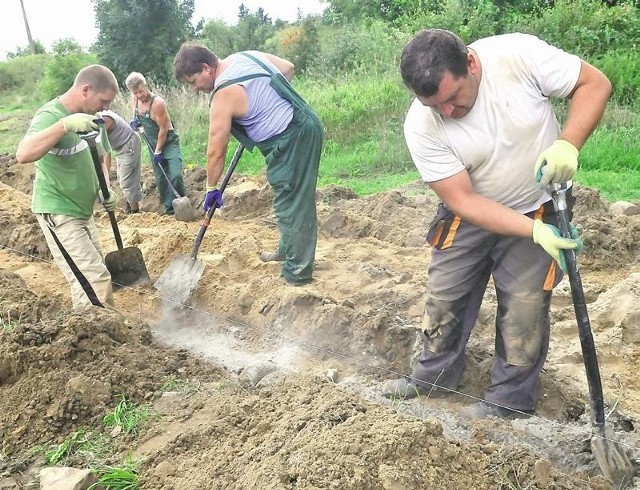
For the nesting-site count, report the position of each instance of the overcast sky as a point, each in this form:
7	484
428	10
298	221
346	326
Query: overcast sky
51	20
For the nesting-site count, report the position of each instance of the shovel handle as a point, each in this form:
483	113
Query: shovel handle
207	218
589	356
90	138
166	177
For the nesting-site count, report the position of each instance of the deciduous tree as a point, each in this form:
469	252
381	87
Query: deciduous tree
142	35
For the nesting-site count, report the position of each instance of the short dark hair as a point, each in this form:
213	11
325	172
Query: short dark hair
189	60
427	56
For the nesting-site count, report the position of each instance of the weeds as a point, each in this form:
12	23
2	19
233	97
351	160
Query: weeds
117	477
4	450
92	449
82	444
10	324
127	416
181	385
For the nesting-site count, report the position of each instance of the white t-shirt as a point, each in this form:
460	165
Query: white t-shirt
510	124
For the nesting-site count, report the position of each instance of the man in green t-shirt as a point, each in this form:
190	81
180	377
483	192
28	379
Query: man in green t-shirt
65	187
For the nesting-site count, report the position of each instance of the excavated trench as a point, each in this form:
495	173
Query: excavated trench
301	356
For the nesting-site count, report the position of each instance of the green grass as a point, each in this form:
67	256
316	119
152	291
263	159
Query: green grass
13	125
92	449
123	477
127	416
364	147
609	161
372	185
614	186
8	324
82	445
186	387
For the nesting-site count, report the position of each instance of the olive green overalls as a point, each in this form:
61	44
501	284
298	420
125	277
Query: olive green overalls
292	159
170	154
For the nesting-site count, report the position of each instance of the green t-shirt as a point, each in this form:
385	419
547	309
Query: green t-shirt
65	180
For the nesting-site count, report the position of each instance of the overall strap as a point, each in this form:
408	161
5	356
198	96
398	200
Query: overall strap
257	61
240	79
153	97
137	111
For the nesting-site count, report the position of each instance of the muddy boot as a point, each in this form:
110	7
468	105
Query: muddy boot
402	388
483	410
266	256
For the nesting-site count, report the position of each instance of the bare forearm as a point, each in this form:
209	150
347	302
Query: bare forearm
214	172
106	166
217	150
492	216
35	146
586	108
106	172
162	139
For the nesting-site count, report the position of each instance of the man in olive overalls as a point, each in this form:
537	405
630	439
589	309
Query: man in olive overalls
150	112
252	99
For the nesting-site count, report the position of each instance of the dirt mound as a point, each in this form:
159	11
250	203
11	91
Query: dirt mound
610	241
60	371
257	384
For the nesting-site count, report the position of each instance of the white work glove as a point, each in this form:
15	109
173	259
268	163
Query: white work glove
557	164
548	237
79	123
109	204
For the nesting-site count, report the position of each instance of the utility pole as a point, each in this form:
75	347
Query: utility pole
32	47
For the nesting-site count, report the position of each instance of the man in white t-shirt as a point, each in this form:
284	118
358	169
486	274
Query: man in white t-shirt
483	134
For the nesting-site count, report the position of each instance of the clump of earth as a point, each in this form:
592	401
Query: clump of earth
253	383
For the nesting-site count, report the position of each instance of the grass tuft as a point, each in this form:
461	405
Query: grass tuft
127	416
123	477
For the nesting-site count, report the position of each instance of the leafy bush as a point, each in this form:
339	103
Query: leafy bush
585	27
61	71
622	66
7	80
298	43
470	20
357	49
218	37
22	73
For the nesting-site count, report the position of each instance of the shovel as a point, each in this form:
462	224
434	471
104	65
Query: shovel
126	265
183	211
612	459
183	274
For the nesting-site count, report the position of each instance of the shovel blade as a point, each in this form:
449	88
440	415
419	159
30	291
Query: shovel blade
127	267
612	459
180	278
183	211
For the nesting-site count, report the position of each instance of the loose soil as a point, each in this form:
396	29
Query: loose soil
254	384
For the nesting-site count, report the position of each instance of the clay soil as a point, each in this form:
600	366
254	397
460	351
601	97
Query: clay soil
254	384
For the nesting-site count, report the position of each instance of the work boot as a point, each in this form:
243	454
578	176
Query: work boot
483	410
266	256
403	388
